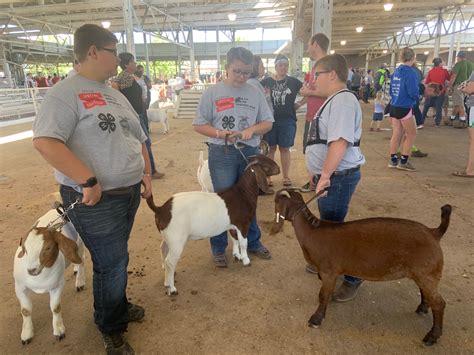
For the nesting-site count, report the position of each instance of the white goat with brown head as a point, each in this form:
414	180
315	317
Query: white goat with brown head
39	266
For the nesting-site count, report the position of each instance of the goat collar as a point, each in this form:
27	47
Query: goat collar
62	212
305	204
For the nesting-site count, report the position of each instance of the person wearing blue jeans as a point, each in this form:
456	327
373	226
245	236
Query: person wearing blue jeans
238	110
333	152
91	135
436	102
226	168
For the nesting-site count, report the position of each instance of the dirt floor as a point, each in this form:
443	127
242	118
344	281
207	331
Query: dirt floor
263	308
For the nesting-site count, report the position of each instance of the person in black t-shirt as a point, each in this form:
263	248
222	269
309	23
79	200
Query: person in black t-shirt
283	91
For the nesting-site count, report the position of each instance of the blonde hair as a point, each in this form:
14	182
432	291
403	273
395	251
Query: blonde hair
407	54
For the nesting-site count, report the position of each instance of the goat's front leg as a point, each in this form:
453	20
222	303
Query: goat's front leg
235	245
79	268
243	248
325	294
59	330
23	295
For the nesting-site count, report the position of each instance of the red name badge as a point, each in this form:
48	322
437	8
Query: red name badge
225	104
92	99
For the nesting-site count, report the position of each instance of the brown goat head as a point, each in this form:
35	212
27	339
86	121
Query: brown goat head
268	165
282	201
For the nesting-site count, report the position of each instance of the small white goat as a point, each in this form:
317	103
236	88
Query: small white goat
39	266
203	174
198	215
159	115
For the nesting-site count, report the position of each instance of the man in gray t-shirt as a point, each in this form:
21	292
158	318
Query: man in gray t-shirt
235	108
90	134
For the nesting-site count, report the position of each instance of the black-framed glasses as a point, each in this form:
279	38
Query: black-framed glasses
238	72
113	51
318	73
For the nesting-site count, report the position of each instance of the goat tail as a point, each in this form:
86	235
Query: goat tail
445	217
151	203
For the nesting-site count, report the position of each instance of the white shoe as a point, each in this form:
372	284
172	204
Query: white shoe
420	126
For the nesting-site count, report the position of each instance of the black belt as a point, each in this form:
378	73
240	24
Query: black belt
324	141
341	172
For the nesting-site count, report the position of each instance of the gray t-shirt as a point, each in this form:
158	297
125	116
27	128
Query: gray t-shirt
98	124
229	108
341	118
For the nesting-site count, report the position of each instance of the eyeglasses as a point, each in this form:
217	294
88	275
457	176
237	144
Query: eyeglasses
318	73
238	72
113	51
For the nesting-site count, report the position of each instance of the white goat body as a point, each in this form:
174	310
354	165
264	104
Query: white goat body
159	115
31	275
203	174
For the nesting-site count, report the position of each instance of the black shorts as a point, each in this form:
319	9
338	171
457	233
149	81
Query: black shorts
400	112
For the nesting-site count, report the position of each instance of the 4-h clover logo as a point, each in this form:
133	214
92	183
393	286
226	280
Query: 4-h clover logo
228	122
107	122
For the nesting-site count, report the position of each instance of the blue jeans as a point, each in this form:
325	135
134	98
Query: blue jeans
105	229
335	205
367	92
226	169
437	102
144	125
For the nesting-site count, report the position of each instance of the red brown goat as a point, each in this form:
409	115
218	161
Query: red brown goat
375	249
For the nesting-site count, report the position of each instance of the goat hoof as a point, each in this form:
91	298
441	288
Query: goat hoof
27	341
60	336
315	321
430	339
422	309
75	272
313	325
80	288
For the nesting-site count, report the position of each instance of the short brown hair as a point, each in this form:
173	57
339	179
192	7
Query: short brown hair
322	40
256	66
239	53
407	54
337	63
91	35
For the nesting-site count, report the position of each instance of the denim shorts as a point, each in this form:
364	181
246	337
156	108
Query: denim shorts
282	134
378	116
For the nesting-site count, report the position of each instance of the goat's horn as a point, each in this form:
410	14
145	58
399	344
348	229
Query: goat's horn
55	227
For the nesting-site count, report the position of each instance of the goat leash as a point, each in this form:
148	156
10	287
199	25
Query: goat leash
62	215
317	195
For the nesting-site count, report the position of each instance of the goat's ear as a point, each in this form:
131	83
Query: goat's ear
280	212
22	251
261	178
68	247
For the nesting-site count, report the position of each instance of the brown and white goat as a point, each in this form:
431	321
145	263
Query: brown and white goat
198	215
375	249
39	266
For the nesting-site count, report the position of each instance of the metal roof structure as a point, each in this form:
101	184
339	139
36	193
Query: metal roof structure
21	21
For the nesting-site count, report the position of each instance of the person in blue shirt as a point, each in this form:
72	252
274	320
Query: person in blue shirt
404	93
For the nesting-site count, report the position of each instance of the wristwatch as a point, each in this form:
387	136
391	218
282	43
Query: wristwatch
91	182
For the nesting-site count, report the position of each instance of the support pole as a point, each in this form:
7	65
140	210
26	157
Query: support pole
451	45
438	35
147	56
191	55
128	24
322	18
218	50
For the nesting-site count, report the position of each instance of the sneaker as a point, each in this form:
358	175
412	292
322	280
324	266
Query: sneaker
307	187
420	127
392	164
407	166
418	154
311	269
220	260
261	252
157	175
115	344
346	292
135	312
263	193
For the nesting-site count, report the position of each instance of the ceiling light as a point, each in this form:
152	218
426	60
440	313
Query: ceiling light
387	6
426	52
359	29
105	24
469	49
232	16
384	51
332	51
343	43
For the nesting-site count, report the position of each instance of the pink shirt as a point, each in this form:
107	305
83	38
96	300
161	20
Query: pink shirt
313	103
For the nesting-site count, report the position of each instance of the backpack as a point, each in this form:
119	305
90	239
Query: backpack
379	75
